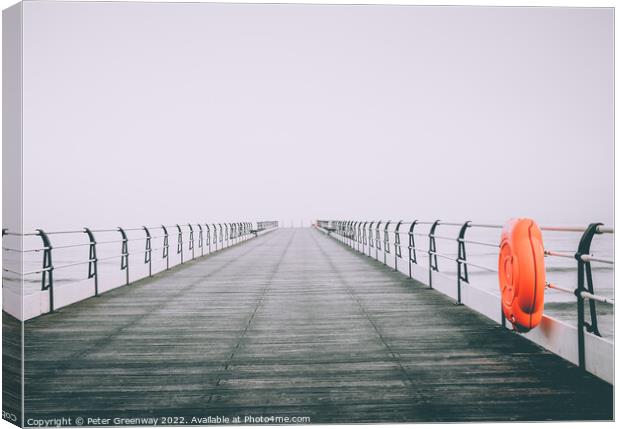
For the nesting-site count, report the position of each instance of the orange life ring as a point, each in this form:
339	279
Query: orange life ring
522	273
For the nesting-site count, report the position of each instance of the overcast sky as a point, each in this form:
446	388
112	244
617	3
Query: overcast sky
150	113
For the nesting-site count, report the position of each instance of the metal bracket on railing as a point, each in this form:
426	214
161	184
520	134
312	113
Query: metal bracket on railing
462	255
386	240
221	235
124	254
585	270
208	237
5	231
397	248
191	240
412	250
200	238
432	248
364	237
370	238
180	242
461	260
47	273
377	240
147	247
359	234
92	259
165	252
226	232
148	250
215	236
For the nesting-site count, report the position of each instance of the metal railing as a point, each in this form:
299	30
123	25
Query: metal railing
359	235
229	233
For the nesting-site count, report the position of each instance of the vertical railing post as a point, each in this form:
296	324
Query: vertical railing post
370	239
432	256
397	248
226	226
461	261
359	236
215	236
364	237
221	236
166	252
191	240
347	233
148	249
386	242
92	259
412	250
180	242
208	237
47	272
377	240
584	273
124	254
200	238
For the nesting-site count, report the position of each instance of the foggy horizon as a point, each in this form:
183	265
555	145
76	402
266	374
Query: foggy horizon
304	112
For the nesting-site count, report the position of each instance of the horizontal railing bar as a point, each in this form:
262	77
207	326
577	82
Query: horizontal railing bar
443	237
68	246
485	225
73	264
598	298
559	288
17	234
585	258
482	243
584	294
441	255
601	229
560	254
81	231
592	258
466	262
27	273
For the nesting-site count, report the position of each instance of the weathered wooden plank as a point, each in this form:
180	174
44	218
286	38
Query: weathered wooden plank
294	324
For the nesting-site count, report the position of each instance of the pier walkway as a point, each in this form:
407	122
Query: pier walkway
293	324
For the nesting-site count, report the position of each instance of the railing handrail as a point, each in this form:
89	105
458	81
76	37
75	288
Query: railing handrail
351	233
229	231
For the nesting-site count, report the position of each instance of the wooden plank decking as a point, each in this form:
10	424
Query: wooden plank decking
293	324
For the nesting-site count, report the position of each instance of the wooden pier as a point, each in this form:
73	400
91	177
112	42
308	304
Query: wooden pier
293	324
